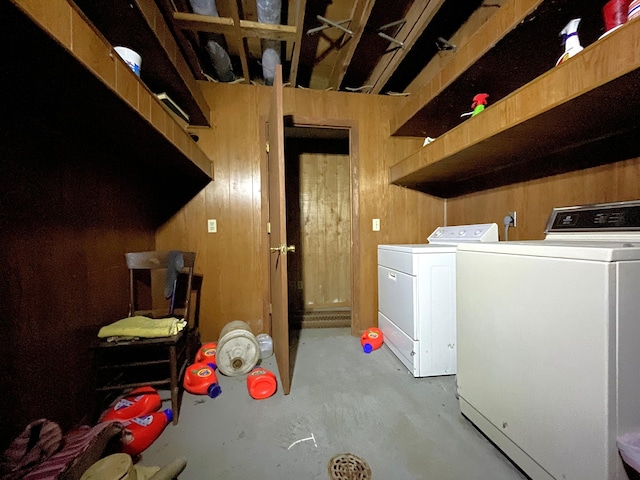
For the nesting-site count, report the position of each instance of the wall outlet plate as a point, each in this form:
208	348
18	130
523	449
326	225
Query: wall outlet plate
375	225
212	225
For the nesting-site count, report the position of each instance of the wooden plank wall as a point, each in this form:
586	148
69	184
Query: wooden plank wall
318	223
325	204
233	261
67	215
534	200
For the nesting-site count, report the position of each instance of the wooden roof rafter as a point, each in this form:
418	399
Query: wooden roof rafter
359	17
301	6
229	27
417	20
240	41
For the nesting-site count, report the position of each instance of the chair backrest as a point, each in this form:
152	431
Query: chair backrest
171	270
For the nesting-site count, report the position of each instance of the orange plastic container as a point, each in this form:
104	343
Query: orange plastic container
140	432
138	402
261	383
200	379
371	339
207	353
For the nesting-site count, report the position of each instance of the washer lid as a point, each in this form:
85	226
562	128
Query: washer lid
578	250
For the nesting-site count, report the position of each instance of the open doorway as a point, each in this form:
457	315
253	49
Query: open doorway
319	223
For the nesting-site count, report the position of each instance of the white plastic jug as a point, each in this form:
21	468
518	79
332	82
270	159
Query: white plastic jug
238	350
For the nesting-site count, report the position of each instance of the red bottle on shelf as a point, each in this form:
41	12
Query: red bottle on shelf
200	379
138	402
261	383
140	432
371	339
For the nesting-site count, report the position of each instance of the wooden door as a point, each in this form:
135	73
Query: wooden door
278	247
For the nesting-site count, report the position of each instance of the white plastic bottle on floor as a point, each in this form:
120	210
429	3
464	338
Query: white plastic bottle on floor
266	345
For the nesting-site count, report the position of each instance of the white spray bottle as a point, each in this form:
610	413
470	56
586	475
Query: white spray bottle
570	40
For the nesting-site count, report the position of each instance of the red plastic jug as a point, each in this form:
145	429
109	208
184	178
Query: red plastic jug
140	432
371	339
261	383
138	402
200	379
207	353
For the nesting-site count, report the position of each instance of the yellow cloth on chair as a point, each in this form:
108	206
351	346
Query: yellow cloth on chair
143	327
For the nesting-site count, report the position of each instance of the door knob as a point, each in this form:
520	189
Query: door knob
283	249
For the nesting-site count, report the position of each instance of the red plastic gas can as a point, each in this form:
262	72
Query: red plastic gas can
261	383
138	402
207	353
140	432
371	339
200	379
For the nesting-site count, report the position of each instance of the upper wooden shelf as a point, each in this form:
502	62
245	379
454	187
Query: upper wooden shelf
140	25
63	76
581	113
517	44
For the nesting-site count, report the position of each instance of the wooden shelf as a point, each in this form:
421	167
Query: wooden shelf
517	44
139	25
62	76
582	113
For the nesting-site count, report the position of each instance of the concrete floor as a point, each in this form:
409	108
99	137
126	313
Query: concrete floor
349	402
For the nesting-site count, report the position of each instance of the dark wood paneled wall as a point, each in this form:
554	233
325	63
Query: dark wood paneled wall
234	260
67	215
534	200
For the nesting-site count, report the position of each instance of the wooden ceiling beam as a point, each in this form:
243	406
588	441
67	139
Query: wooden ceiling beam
240	41
227	26
417	19
359	18
301	6
204	23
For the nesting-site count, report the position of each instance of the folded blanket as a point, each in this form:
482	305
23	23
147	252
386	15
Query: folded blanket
143	327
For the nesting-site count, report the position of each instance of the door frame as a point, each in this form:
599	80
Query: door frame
312	122
354	181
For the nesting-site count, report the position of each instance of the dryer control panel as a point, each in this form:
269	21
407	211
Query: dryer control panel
607	217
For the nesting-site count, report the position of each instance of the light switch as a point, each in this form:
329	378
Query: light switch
376	225
212	225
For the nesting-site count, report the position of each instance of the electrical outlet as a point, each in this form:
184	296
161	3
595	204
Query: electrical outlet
375	225
212	225
514	222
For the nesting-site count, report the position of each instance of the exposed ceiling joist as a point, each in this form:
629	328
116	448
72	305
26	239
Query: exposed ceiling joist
204	23
417	20
380	54
228	27
301	6
359	17
240	42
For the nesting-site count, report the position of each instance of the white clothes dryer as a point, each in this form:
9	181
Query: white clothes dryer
417	298
549	342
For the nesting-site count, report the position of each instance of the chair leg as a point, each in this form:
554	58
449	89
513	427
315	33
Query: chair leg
175	388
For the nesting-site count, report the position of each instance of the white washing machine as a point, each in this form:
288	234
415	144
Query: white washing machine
549	342
417	298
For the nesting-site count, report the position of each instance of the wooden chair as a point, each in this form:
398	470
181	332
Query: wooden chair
129	363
